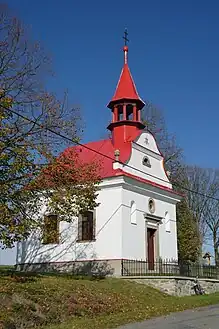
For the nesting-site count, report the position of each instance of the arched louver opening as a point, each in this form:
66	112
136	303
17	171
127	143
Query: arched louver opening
133	213
167	221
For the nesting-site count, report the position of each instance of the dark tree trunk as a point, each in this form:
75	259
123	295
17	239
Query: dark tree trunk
216	245
216	255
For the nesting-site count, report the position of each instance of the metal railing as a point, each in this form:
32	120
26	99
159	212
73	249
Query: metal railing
167	267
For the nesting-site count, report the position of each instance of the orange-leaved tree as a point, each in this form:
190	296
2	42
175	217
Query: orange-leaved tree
68	185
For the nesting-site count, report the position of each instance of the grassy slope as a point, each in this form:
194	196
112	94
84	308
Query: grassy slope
83	303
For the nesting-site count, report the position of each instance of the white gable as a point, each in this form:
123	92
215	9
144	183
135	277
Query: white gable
147	140
148	161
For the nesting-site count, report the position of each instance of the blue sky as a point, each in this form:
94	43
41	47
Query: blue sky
173	56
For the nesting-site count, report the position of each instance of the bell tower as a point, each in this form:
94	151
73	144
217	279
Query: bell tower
126	106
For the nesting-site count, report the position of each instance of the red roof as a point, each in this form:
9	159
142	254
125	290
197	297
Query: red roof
92	152
103	153
126	88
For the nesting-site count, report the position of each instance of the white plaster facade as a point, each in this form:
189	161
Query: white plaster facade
120	234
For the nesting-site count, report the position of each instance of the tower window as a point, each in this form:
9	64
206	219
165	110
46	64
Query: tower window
129	112
146	162
86	226
120	116
120	113
51	230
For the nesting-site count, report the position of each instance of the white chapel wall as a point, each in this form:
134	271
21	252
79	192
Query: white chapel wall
168	234
106	246
134	236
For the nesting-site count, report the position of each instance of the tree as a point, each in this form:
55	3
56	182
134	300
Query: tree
212	222
31	120
16	166
201	194
73	183
187	236
202	185
210	215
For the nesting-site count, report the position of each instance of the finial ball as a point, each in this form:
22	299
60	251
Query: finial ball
116	152
125	48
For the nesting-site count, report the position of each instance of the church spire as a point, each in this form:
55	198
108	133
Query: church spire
126	89
125	104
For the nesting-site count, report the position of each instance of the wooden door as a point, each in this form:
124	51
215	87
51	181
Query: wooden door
150	247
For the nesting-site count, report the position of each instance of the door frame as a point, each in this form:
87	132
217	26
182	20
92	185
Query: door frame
151	233
152	222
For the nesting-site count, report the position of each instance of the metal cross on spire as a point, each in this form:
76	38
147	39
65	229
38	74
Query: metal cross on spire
125	37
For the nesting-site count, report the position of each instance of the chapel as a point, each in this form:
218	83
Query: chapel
136	216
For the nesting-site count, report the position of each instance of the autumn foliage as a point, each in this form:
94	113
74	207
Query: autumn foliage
69	184
69	169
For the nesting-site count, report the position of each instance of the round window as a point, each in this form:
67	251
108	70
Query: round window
151	206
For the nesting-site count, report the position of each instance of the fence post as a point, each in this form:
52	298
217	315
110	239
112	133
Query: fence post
122	267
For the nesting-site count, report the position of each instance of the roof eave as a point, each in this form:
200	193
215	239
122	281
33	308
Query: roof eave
114	101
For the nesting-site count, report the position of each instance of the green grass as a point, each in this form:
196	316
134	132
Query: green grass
65	302
6	267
